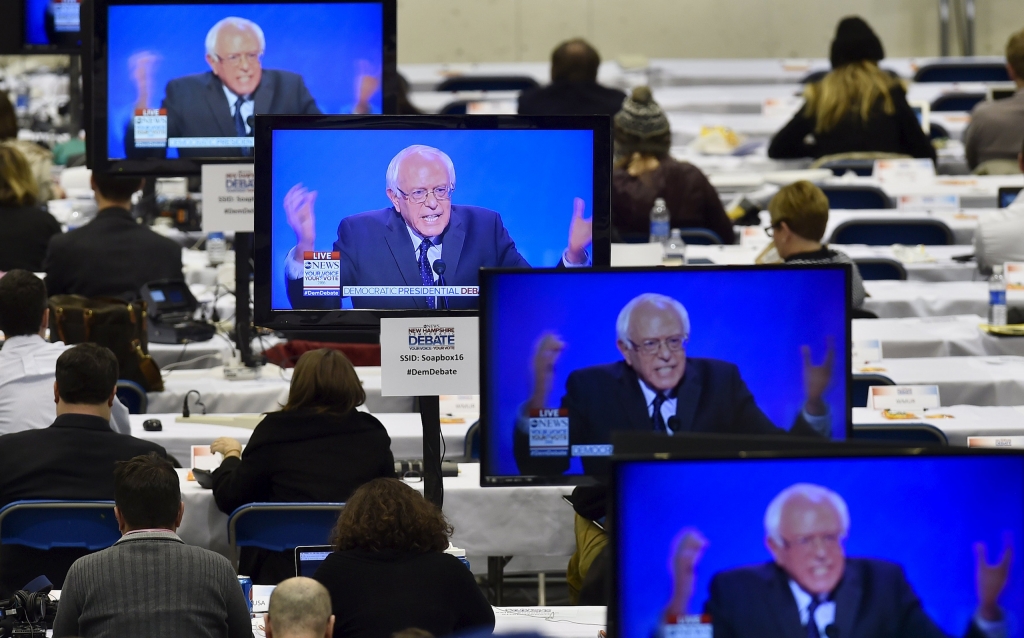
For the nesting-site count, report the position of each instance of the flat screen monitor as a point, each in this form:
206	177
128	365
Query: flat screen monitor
51	25
889	543
922	110
363	217
308	558
177	83
1007	195
568	357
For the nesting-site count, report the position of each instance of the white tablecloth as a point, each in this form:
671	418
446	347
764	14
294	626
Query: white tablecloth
955	336
889	299
968	420
961	380
491	521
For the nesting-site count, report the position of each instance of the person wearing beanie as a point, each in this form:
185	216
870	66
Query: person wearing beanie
644	171
574	89
856	108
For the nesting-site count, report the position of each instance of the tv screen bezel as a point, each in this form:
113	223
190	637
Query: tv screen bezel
489	479
339	319
94	59
32	48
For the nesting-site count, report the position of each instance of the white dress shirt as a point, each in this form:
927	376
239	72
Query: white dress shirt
824	615
248	106
27	368
999	237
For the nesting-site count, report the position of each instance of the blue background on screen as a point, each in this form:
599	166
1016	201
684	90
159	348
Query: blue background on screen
923	513
529	177
35	27
321	42
583	310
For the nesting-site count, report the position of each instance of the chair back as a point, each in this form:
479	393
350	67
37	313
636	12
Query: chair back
957	101
49	524
885	232
487	83
458	107
903	434
962	72
861	383
853	196
862	167
473	442
815	76
700	236
880	268
281	527
132	396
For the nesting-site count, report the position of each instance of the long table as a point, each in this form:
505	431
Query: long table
916	337
890	299
966	421
984	381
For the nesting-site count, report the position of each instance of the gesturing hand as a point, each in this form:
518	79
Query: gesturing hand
141	66
298	209
991	579
581	233
549	348
817	378
226	446
689	547
367	83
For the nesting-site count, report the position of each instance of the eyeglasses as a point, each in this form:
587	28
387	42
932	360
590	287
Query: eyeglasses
419	195
828	541
235	59
653	346
770	230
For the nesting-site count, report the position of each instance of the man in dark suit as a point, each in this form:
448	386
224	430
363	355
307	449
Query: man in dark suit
112	255
574	89
656	387
222	101
403	245
73	459
811	579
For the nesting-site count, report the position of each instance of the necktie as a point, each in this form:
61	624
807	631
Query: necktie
240	124
426	274
812	625
658	417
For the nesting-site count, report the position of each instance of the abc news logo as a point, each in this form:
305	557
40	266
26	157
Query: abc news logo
239	182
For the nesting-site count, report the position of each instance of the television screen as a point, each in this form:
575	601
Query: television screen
872	545
569	357
400	214
52	24
1007	195
178	83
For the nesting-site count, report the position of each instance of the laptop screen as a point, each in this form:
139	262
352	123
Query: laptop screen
308	559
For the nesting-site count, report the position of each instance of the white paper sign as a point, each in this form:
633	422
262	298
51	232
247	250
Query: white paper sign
429	356
864	351
204	459
904	170
261	598
228	202
996	441
928	202
1013	271
903	397
781	107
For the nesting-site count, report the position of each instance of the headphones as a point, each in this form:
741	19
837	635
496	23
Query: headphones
35	606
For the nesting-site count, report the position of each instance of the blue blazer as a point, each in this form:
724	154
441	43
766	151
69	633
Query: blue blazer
873	600
376	251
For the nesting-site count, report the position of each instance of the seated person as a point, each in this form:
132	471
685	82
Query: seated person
28	362
39	159
317	448
73	459
574	89
857	107
27	227
644	171
150	583
799	217
112	255
389	571
299	608
996	131
999	237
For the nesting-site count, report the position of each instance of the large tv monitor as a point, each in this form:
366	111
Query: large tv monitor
50	26
887	543
359	218
177	83
568	357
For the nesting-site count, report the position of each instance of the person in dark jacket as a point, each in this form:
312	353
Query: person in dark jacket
644	171
317	448
857	107
27	227
574	89
389	571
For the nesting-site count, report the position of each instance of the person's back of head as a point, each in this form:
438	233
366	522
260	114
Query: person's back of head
575	61
325	381
17	183
86	379
22	304
115	190
300	608
641	127
386	514
8	119
803	207
1015	57
147	494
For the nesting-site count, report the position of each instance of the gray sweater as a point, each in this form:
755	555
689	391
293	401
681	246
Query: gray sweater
151	584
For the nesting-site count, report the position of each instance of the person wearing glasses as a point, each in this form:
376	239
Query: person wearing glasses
656	387
812	579
403	245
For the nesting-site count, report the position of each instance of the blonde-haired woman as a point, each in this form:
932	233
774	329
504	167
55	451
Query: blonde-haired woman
857	107
27	228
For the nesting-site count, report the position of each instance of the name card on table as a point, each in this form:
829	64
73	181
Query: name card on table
425	357
996	441
903	397
1013	271
204	459
904	170
228	200
782	107
864	351
928	202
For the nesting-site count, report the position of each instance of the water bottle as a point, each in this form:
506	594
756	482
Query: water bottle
997	297
216	247
659	222
675	247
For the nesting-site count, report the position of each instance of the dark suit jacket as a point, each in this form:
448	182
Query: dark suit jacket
376	251
196	107
110	256
27	232
711	397
571	98
72	459
873	600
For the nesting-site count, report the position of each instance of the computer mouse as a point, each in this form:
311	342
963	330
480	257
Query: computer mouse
152	425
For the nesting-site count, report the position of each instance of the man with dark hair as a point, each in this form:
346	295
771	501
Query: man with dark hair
150	583
112	255
73	459
574	89
28	361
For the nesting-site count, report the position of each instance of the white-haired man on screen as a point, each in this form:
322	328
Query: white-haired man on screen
811	588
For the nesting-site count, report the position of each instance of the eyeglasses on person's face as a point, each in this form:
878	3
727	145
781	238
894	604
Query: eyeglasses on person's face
652	347
236	59
419	195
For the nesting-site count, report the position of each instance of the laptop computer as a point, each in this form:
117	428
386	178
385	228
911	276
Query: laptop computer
309	557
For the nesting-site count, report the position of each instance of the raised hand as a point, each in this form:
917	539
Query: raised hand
581	233
990	580
298	209
141	66
549	348
688	548
817	379
367	83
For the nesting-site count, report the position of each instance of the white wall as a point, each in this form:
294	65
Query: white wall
527	30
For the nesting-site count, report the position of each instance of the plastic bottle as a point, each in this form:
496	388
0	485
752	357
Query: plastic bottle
659	222
675	247
459	553
216	248
997	297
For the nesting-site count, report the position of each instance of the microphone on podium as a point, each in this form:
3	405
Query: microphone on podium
439	268
673	424
832	631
